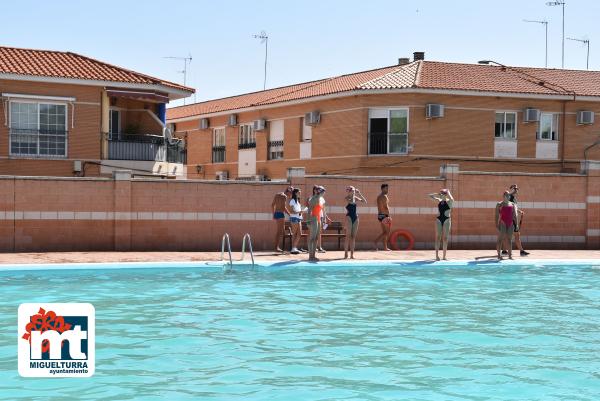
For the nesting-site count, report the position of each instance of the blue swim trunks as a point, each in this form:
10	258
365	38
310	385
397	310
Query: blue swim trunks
295	220
278	215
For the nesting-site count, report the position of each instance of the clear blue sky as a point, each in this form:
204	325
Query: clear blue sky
308	39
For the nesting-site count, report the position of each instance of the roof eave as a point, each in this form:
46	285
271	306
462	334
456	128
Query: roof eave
172	92
456	92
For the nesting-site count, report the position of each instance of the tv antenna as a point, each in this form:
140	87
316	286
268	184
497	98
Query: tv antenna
587	43
264	38
186	61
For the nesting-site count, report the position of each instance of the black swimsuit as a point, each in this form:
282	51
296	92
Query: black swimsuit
351	212
442	208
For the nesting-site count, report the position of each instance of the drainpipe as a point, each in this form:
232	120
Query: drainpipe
564	135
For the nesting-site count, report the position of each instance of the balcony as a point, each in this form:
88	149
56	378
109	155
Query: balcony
218	154
145	148
247	145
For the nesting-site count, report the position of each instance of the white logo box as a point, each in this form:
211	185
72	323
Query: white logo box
82	364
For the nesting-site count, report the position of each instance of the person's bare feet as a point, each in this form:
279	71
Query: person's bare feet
437	258
278	249
387	249
313	259
345	255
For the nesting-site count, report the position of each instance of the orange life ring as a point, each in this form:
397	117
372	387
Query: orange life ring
405	234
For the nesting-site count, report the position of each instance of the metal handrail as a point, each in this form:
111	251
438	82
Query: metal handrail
226	237
249	246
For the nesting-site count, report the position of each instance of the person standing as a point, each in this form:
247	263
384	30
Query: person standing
352	195
514	192
383	215
506	222
280	209
314	221
296	211
443	221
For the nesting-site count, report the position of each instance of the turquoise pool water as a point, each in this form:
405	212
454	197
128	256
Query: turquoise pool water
462	331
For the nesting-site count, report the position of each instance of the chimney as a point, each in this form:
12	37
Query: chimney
418	56
403	60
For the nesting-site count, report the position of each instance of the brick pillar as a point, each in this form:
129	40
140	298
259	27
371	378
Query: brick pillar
122	209
451	173
593	205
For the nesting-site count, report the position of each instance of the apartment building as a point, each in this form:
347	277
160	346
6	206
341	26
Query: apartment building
64	114
404	119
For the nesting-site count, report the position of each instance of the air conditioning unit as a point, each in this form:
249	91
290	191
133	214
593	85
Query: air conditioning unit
258	177
531	115
434	111
585	117
222	175
232	120
77	166
204	123
312	118
259	125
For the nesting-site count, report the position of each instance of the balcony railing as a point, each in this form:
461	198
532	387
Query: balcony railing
144	148
378	143
247	145
218	154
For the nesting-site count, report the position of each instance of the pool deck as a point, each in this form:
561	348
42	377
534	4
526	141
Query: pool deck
108	257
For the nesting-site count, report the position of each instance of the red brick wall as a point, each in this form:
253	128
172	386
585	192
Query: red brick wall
52	214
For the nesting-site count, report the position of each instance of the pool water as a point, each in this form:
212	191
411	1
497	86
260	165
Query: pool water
466	331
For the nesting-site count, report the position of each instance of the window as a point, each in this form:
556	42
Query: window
548	129
276	135
114	122
218	149
38	129
247	139
506	125
388	131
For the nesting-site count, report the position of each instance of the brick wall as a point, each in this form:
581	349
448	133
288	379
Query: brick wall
62	214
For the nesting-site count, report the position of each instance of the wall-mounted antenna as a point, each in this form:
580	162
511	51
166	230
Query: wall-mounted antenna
186	61
264	38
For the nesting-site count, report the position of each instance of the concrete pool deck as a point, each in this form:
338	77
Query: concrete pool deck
115	257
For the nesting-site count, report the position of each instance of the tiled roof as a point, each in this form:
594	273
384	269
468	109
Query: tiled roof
56	64
421	75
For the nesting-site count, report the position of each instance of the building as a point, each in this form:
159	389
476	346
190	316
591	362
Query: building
64	114
404	119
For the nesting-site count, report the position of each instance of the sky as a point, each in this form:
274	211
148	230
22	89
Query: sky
307	39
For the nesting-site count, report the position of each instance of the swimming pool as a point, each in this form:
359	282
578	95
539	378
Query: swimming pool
356	331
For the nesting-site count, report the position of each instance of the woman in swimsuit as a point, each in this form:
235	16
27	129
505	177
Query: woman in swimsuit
506	221
352	195
296	211
443	221
314	221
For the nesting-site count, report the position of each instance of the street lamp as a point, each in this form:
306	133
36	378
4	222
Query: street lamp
560	3
545	26
585	42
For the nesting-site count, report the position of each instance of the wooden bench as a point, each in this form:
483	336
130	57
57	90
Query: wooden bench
334	230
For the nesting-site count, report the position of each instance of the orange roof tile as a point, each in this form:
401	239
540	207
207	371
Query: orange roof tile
421	75
57	64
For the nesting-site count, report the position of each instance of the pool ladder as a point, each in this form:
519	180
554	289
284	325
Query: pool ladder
226	240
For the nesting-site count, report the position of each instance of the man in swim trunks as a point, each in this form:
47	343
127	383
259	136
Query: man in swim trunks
280	209
506	222
383	215
314	221
514	192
